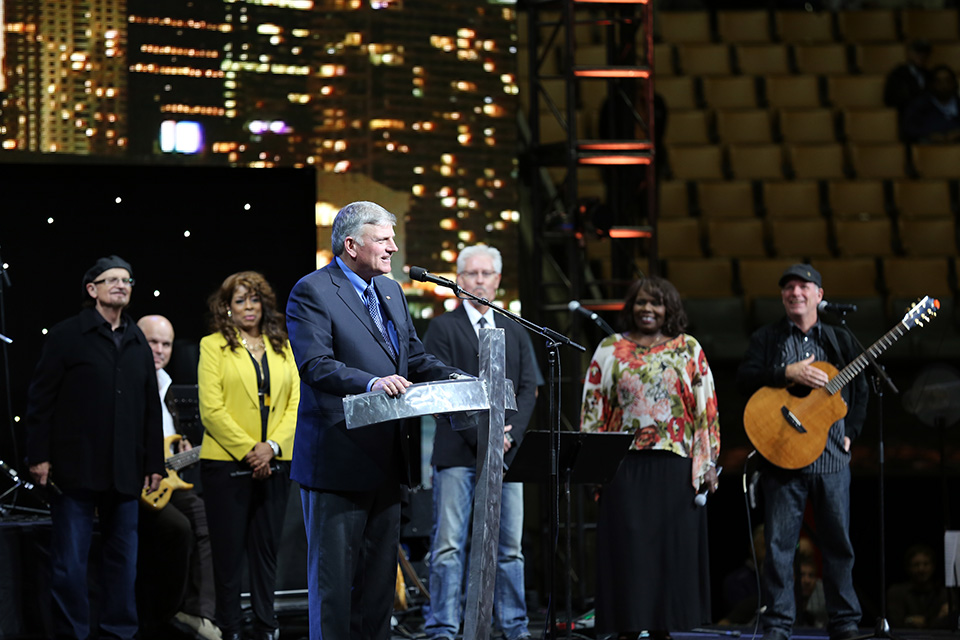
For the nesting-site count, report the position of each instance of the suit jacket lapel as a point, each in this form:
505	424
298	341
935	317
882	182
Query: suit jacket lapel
242	361
465	327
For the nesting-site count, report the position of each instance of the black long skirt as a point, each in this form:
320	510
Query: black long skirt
652	557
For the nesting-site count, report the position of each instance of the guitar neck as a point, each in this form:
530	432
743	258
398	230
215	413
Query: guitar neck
183	459
859	363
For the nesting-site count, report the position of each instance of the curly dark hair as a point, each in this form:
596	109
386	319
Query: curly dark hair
661	290
272	322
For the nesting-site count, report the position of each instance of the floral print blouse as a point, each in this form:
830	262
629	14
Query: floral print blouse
665	395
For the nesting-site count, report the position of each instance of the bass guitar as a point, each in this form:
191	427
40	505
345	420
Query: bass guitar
789	426
157	500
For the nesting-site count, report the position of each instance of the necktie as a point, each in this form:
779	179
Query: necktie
481	323
373	308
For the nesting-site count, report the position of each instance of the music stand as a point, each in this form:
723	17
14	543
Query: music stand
584	458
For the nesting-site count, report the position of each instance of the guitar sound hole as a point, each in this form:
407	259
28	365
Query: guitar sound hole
799	390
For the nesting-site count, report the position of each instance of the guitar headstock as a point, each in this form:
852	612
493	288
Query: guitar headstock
923	311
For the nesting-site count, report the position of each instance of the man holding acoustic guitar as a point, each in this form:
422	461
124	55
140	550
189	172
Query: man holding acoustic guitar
797	356
175	567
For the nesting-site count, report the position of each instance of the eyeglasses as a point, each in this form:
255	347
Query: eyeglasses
112	282
473	274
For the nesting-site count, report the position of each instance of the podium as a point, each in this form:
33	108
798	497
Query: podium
467	401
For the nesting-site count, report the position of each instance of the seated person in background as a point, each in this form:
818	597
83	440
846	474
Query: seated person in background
907	81
175	566
921	602
934	116
811	602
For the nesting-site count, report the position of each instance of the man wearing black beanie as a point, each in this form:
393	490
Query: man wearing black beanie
94	434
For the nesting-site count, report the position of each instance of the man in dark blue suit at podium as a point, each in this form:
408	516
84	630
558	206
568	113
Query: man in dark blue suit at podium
351	332
454	338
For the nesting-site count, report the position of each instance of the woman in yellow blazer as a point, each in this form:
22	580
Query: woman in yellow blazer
249	391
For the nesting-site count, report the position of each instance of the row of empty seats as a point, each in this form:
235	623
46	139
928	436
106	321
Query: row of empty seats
758	59
775	91
806	237
873	25
705	126
899	277
904	198
811	161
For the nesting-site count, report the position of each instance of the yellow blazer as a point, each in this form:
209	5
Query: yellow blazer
229	406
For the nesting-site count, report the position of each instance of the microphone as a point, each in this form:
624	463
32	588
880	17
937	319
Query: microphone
574	305
274	468
836	307
701	498
422	275
26	484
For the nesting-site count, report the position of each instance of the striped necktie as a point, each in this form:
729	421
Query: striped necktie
373	308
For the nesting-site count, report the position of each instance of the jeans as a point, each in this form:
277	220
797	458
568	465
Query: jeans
72	517
785	496
453	491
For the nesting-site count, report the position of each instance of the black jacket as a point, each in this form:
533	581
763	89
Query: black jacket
761	367
93	411
451	338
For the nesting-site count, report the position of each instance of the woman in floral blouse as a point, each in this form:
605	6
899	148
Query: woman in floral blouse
653	380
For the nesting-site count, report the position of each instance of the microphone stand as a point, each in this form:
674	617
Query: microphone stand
554	341
882	628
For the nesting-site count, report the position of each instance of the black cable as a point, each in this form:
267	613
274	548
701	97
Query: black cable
753	549
8	394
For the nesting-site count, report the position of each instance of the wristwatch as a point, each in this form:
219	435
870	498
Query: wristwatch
275	447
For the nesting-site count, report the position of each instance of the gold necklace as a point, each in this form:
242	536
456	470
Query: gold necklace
249	347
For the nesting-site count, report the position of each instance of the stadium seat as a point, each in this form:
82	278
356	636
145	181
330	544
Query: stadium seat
679	238
936	160
909	277
873	25
663	61
674	201
758	276
684	26
848	277
701	278
818	161
688	126
755	161
736	238
792	91
882	160
730	92
804	237
822	59
922	198
863	237
704	59
762	59
739	27
927	237
696	162
807	125
879	58
679	92
744	126
791	199
725	199
856	198
864	91
870	125
933	25
801	27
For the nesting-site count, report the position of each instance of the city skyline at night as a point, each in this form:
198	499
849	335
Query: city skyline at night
422	100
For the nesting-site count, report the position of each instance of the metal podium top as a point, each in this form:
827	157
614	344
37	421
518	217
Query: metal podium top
442	396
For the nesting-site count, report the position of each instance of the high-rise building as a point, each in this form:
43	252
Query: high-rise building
175	60
84	76
422	97
64	76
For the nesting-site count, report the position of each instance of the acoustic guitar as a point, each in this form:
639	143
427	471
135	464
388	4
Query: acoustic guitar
789	426
157	500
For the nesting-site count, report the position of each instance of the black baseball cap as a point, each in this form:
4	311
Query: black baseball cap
802	271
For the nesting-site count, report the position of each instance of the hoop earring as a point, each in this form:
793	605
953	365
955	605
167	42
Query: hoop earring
229	313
